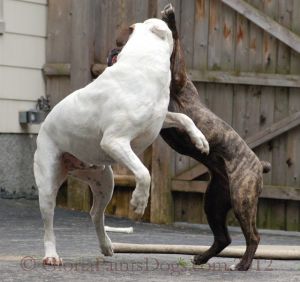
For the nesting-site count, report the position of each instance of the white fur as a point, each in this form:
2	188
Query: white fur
110	120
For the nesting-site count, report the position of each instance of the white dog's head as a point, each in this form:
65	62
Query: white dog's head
161	29
155	26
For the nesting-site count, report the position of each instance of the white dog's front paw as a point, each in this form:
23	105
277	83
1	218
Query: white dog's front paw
200	142
106	248
139	202
55	261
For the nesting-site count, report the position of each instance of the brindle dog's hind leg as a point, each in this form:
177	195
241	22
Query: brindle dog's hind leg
244	202
217	204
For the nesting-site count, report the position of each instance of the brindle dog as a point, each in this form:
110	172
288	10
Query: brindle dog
236	172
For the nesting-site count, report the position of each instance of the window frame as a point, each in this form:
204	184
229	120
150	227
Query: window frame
2	23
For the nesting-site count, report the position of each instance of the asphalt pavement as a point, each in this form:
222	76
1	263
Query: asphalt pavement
21	250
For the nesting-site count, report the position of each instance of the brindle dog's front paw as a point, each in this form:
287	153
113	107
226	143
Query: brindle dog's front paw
168	11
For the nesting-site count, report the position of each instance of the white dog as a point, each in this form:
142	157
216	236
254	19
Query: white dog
110	120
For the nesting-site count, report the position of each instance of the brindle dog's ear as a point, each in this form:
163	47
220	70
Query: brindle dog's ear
123	36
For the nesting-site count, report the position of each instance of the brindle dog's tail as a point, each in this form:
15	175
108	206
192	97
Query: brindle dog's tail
266	166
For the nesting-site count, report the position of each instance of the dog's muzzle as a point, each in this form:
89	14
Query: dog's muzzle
113	56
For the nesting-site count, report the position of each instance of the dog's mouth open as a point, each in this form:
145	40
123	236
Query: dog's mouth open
113	56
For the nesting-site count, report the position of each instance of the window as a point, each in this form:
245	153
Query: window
2	25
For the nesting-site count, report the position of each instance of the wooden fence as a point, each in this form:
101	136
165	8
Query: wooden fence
243	57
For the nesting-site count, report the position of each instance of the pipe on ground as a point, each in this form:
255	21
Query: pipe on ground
276	252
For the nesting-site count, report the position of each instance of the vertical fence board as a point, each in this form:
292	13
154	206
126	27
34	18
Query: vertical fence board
280	111
186	30
162	209
241	64
267	101
201	22
214	52
101	30
293	141
268	93
82	57
58	47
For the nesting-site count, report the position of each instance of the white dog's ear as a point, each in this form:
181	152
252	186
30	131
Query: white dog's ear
159	30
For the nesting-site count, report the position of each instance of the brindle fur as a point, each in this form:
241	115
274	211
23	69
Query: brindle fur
236	172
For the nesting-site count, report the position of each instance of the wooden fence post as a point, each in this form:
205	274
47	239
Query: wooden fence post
82	58
161	210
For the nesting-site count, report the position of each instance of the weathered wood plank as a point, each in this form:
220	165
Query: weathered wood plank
57	69
192	172
281	192
293	138
186	30
274	130
79	195
268	24
83	33
141	10
58	47
247	78
82	58
268	93
124	180
264	135
228	77
188	207
255	64
269	191
161	210
279	167
201	21
101	30
201	35
214	35
189	186
223	104
241	64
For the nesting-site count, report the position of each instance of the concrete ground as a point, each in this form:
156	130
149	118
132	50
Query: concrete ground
21	251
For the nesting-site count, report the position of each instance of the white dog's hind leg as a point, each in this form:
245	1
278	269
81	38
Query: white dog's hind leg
119	149
102	184
185	123
49	175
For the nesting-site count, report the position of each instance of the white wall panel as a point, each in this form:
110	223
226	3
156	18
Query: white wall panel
21	84
23	51
9	121
25	18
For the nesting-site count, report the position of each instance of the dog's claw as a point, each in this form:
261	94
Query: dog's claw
54	261
139	204
201	143
107	249
238	267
